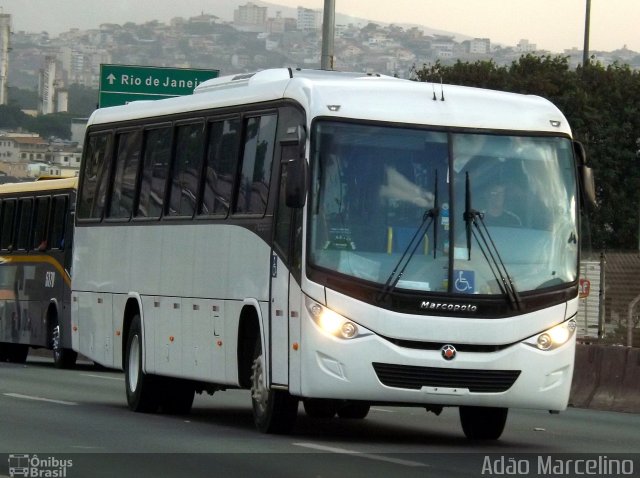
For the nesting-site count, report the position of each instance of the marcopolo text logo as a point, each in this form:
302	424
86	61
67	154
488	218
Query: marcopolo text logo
33	466
447	306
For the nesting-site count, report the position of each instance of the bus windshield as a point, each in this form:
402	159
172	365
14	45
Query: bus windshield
372	186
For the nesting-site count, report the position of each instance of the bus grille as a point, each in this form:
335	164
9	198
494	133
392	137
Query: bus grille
412	377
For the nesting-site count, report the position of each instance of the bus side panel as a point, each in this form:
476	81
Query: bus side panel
232	309
145	266
149	315
296	303
75	313
23	315
168	339
64	317
203	337
117	332
94	318
8	304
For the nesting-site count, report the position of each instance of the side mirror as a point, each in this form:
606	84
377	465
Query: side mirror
587	182
293	158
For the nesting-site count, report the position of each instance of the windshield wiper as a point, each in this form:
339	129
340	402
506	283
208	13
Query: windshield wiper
476	226
428	219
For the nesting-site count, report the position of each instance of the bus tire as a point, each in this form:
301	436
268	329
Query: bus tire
483	423
4	352
62	358
176	396
274	411
142	389
354	410
320	407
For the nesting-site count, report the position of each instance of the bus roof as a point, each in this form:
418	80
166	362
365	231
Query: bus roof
360	96
37	186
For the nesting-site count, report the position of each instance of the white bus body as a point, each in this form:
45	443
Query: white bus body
334	326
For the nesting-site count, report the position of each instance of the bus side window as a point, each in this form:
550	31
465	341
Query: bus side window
25	210
8	218
58	221
96	174
187	165
155	167
124	181
40	217
255	177
222	158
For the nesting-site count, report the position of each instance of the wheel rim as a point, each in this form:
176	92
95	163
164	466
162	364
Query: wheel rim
134	363
259	393
55	341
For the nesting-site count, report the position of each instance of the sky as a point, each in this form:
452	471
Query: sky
553	25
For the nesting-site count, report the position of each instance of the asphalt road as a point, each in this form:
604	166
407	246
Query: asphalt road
81	415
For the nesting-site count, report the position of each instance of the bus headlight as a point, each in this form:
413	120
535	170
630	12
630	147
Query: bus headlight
554	337
331	322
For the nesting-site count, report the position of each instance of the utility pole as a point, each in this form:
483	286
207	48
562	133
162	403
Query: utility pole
587	21
328	31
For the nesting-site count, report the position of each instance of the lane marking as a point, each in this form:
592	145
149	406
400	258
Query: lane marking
39	399
102	377
369	456
376	409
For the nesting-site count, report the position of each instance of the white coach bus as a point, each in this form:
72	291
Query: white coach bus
332	238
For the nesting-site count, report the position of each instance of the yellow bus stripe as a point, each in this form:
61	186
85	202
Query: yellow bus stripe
38	259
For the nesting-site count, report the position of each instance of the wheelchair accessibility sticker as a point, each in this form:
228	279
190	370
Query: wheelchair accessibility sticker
464	281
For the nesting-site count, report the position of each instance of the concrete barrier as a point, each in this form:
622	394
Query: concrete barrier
586	375
606	378
628	399
610	383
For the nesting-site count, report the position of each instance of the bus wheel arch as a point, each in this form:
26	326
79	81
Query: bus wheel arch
274	411
249	331
142	389
131	310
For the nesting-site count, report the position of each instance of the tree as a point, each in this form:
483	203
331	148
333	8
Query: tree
602	106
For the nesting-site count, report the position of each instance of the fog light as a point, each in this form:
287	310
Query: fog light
544	342
349	330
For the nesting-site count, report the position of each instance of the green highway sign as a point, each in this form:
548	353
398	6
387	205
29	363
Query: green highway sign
121	84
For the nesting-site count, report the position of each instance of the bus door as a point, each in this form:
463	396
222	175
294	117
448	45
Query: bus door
286	294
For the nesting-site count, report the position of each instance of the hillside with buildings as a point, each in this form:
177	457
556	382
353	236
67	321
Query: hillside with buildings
257	37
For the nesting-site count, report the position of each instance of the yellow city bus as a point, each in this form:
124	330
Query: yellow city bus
36	231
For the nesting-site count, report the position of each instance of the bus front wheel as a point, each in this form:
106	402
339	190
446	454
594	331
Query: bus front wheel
142	389
274	411
483	423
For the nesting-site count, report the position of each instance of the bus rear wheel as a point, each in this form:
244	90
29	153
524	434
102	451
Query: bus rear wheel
274	411
483	423
142	389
